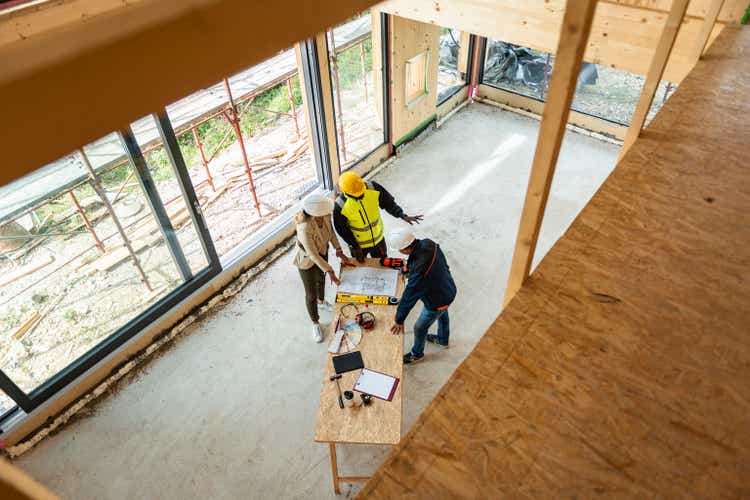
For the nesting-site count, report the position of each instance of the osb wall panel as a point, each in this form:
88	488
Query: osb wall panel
622	367
623	37
409	38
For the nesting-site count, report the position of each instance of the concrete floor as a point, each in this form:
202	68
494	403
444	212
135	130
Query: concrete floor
229	412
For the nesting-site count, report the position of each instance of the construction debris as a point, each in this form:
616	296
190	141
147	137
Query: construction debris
28	322
26	270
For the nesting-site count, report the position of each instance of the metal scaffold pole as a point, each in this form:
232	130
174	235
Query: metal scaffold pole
87	222
204	162
96	184
233	118
294	106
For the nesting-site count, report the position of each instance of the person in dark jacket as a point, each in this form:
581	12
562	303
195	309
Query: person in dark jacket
431	282
356	215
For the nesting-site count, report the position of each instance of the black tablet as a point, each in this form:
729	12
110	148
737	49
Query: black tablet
348	362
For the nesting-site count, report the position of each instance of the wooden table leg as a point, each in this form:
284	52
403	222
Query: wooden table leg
334	468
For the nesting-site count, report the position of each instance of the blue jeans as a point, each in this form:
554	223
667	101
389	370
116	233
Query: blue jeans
425	320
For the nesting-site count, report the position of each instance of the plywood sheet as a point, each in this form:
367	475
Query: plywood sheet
622	367
380	422
410	38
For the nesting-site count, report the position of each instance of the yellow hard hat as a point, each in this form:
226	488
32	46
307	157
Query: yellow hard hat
351	184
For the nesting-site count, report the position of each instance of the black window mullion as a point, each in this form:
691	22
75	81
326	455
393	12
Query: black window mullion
169	139
316	115
135	157
15	393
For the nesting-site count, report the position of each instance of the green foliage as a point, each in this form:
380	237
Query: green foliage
71	316
350	64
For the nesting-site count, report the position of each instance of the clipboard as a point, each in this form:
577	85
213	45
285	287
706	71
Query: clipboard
376	384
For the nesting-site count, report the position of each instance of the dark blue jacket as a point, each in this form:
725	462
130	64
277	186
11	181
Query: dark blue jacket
430	280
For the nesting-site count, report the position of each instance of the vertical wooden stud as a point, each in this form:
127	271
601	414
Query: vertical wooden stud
708	26
655	72
574	35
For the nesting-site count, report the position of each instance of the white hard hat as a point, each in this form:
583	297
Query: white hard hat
400	238
317	204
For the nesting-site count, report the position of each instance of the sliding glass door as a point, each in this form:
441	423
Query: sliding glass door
95	247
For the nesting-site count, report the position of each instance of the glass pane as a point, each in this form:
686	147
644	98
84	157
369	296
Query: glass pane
268	101
601	91
69	280
453	62
163	173
520	69
357	88
6	404
613	94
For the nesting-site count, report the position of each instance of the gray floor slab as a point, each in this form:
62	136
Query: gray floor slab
229	411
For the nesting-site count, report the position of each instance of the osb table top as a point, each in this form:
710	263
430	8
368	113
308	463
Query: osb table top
380	421
622	368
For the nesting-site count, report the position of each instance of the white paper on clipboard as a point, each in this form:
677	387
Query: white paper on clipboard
376	384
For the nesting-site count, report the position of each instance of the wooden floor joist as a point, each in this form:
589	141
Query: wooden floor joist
622	367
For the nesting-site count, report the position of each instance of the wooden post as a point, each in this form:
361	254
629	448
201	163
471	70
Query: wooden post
337	91
655	72
708	26
96	184
326	88
334	468
574	35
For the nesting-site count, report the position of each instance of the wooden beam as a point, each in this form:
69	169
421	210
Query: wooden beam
574	35
71	85
708	26
655	73
623	36
16	484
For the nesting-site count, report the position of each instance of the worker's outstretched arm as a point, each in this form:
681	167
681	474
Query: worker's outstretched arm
414	291
388	203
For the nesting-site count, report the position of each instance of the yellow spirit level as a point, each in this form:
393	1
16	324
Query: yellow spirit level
383	300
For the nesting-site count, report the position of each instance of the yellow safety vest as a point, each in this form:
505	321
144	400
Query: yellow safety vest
364	219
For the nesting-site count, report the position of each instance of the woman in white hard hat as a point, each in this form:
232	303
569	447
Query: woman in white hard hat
314	233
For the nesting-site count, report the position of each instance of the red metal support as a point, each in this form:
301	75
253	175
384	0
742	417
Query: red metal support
337	90
97	185
233	118
87	222
364	68
204	162
294	106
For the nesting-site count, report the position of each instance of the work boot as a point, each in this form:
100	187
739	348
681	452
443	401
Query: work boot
317	333
410	359
433	339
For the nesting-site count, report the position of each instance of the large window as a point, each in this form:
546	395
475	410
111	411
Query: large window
358	92
97	245
246	146
453	62
601	91
93	246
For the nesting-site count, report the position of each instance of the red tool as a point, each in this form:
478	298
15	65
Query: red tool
394	263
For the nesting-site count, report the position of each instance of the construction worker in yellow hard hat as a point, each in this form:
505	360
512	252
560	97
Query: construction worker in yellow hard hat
357	219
